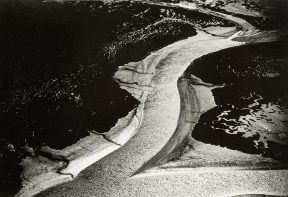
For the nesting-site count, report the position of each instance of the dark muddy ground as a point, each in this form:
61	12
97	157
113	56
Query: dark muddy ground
252	106
57	62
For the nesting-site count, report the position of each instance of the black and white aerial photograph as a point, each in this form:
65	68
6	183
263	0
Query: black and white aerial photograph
143	98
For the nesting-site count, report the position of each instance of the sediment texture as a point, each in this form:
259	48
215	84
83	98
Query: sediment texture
162	121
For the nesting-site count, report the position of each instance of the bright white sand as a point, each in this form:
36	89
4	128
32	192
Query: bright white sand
113	175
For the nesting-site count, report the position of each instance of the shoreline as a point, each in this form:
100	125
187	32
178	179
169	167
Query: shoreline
56	167
161	96
197	98
155	123
65	164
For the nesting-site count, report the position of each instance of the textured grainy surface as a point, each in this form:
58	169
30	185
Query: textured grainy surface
110	176
114	44
210	183
199	154
114	175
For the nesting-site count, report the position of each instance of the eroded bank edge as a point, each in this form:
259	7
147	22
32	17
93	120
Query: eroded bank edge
53	167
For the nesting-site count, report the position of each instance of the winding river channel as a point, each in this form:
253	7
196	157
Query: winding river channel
195	88
163	133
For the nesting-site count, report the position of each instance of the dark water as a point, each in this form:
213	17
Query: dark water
57	62
252	105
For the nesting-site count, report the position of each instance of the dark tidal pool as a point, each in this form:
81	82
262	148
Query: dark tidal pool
252	99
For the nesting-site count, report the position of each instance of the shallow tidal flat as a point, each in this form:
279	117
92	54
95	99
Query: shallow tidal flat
249	89
57	67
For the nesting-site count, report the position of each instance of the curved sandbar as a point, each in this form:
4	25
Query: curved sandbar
185	153
53	167
162	109
111	176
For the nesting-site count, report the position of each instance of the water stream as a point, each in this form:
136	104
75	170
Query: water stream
57	65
